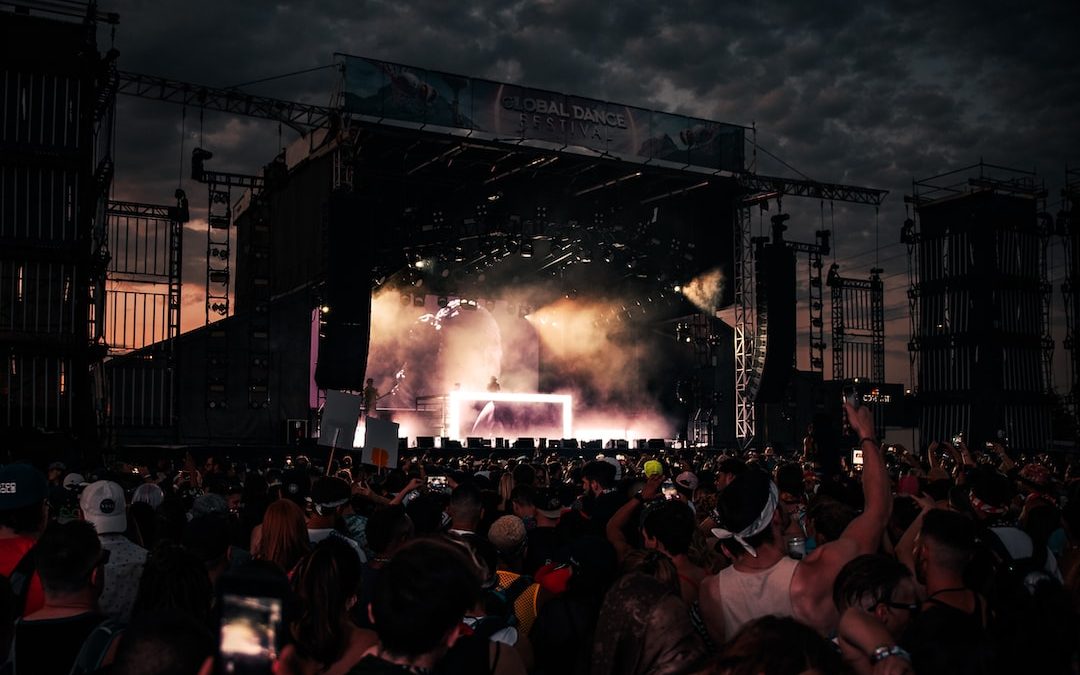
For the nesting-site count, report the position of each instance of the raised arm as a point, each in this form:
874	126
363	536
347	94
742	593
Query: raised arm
616	527
865	531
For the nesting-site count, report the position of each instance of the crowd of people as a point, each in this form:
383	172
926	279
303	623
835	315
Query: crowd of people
948	560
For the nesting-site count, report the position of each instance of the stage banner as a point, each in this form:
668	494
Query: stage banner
408	96
380	443
340	413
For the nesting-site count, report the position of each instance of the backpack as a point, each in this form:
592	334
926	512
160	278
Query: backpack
499	607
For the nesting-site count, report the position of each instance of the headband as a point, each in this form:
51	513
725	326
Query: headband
980	505
755	527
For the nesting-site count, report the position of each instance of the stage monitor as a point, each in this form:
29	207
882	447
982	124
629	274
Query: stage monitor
425	442
525	444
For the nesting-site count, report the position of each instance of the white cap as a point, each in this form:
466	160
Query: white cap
103	506
149	493
618	466
74	480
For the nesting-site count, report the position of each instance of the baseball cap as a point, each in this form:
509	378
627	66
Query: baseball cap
21	485
548	503
653	468
73	481
507	533
103	505
687	480
57	465
618	467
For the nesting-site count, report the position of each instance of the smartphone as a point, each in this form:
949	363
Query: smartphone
857	457
438	483
958	439
851	396
251	625
668	490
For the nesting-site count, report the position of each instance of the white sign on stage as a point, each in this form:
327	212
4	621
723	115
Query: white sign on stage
380	443
339	416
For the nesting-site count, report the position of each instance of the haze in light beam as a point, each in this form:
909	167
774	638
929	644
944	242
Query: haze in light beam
706	290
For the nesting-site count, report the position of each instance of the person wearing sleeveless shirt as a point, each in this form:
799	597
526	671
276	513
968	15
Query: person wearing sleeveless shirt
763	580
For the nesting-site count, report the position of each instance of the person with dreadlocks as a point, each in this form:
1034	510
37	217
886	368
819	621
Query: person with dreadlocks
763	579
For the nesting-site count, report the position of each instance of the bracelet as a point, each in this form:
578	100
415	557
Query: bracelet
882	653
638	496
872	440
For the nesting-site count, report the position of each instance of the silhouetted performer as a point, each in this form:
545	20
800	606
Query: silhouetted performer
371	396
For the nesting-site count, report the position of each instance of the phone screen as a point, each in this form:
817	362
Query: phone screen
250	632
438	483
669	491
856	457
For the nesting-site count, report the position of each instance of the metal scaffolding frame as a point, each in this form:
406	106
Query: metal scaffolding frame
301	117
144	282
145	251
858	326
750	330
1068	229
747	373
944	285
56	137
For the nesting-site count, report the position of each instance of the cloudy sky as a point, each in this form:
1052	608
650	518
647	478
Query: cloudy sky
864	93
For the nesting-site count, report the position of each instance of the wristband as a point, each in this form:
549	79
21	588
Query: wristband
882	653
872	440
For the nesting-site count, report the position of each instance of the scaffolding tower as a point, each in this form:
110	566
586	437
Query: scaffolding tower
1068	228
143	308
56	129
858	326
979	296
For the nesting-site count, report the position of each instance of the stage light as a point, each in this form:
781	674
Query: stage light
526	250
418	301
443	301
405	300
325	309
678	288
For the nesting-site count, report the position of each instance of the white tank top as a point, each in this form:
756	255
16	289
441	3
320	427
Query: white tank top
746	596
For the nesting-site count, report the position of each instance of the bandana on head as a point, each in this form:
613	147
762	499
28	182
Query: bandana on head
980	505
755	527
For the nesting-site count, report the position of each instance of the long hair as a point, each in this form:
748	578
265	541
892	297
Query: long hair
284	539
325	580
174	579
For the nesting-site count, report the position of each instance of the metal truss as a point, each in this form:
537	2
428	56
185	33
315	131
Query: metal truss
745	372
766	185
751	328
858	319
301	117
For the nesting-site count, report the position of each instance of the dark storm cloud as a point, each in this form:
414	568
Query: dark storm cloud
863	93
